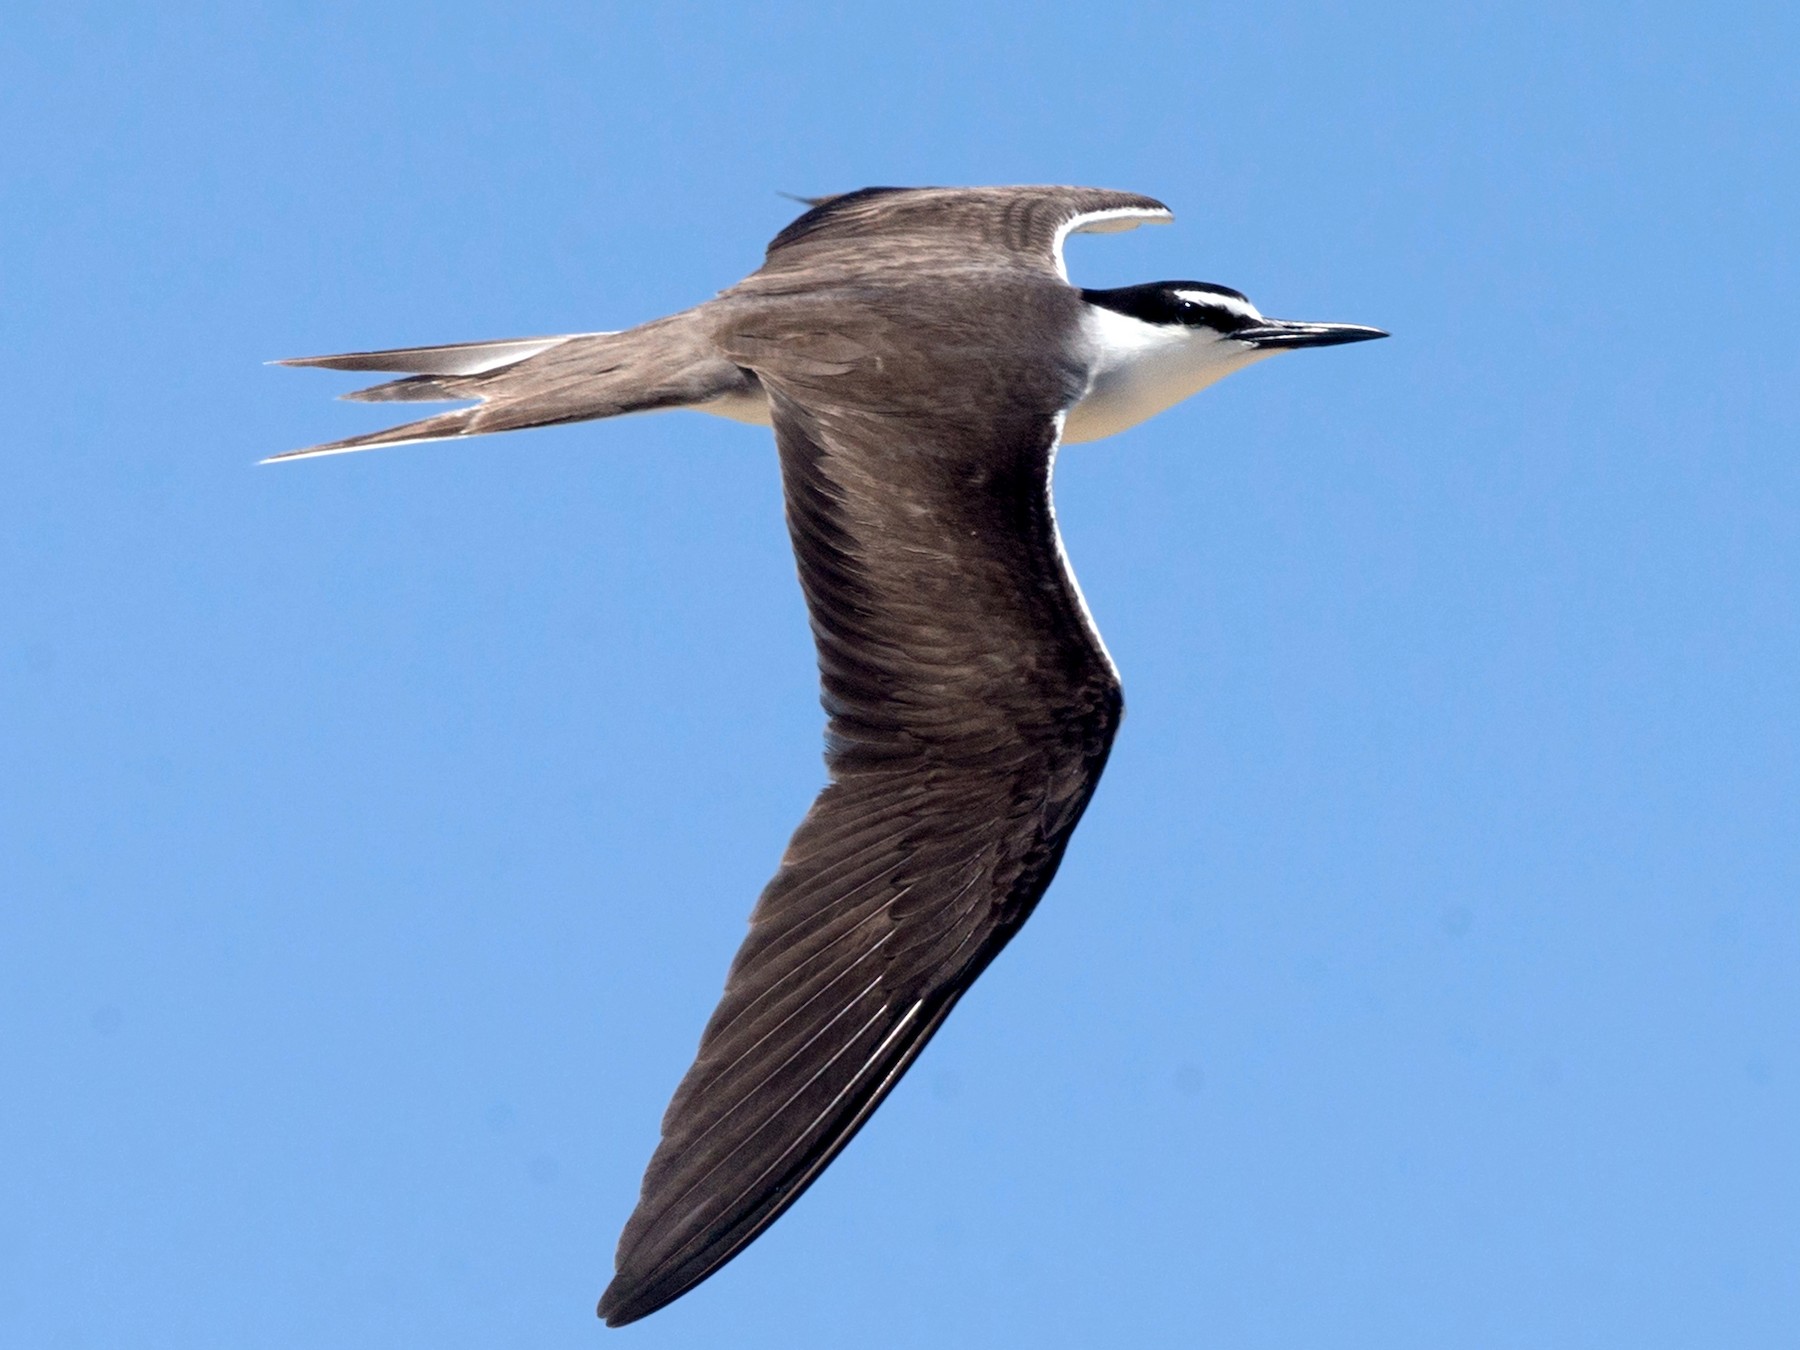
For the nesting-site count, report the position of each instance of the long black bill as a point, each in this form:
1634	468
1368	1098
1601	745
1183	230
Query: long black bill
1281	333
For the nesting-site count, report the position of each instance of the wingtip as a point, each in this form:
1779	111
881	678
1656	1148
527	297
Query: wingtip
637	1291
356	361
618	1308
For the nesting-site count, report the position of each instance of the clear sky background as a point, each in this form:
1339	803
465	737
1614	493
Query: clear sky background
375	832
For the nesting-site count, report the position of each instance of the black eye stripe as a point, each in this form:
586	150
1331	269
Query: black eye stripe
1216	316
1165	302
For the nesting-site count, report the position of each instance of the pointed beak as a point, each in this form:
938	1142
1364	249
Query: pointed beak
1278	334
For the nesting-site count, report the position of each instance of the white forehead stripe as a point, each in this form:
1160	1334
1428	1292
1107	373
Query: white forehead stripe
1104	222
1219	300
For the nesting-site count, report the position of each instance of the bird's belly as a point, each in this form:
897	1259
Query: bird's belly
750	406
1128	398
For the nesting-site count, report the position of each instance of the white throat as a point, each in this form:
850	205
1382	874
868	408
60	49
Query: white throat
1136	369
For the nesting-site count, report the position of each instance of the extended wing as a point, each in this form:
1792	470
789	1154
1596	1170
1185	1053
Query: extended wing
917	228
971	710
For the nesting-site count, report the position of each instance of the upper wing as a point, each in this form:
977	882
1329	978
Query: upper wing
911	228
971	710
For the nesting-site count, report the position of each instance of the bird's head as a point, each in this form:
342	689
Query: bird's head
1209	311
1151	346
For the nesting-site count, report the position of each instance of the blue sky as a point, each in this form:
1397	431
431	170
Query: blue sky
376	831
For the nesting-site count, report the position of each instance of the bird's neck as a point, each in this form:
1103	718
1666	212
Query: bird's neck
1136	369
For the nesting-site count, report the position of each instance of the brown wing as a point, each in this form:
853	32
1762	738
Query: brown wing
911	228
971	710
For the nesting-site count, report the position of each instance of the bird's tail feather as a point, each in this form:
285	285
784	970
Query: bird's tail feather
534	382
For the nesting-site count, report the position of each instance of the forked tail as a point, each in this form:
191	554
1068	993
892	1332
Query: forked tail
538	382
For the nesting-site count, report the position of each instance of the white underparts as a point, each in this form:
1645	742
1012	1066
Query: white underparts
1137	369
751	406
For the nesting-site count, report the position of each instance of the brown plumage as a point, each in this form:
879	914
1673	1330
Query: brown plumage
916	351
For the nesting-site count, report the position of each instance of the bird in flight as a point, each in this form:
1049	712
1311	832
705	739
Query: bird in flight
920	354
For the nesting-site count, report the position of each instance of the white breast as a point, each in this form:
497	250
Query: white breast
1137	369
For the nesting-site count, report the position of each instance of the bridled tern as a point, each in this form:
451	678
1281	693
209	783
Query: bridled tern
920	354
